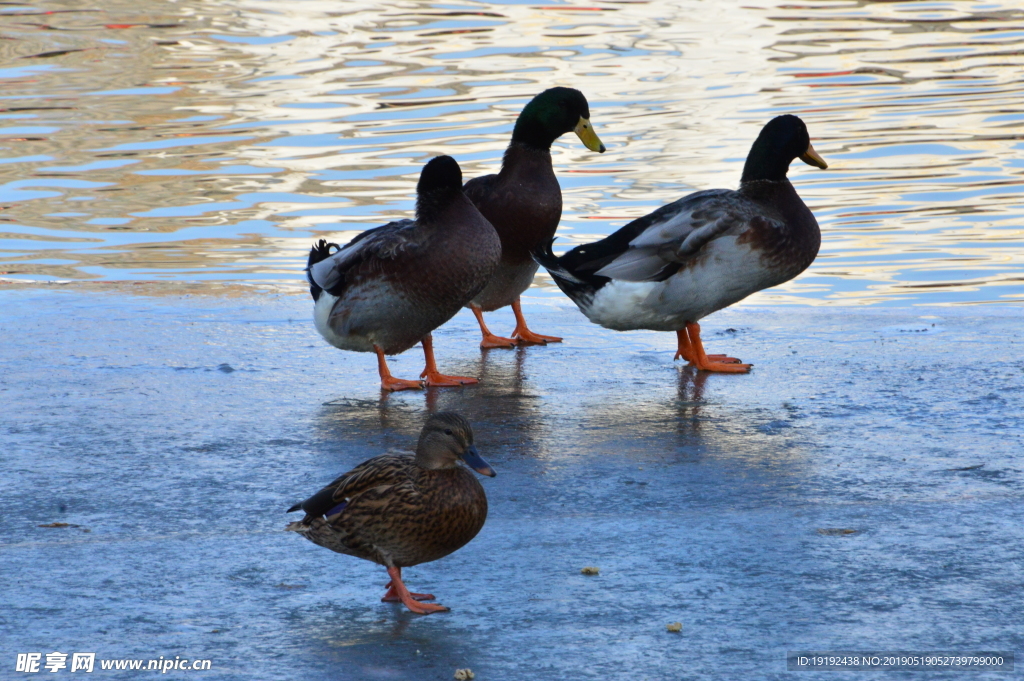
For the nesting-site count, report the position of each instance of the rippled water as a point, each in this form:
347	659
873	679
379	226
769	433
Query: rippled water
197	144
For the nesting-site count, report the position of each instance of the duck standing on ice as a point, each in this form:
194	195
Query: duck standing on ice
401	509
388	288
524	203
673	267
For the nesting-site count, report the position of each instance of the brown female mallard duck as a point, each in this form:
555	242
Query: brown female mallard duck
402	508
524	203
706	251
388	288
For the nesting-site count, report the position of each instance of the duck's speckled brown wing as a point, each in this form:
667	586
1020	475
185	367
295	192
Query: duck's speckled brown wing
395	513
387	469
384	524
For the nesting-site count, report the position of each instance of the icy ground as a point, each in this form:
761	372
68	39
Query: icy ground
172	433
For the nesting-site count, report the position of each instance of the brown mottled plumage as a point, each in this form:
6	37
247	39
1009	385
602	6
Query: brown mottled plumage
388	288
524	203
403	509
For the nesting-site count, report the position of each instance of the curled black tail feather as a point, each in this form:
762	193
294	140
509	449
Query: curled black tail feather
321	251
544	256
580	289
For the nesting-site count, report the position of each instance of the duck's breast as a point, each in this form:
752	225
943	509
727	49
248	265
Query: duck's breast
524	203
452	511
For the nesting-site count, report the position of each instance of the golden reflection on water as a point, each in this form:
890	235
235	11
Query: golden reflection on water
206	143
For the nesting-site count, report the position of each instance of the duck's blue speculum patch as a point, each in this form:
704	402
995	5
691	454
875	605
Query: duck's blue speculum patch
337	509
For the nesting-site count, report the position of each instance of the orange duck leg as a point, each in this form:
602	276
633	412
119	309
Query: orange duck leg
392	595
434	379
408	599
692	350
389	382
523	335
489	339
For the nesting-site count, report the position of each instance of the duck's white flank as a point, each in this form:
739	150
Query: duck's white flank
321	314
720	277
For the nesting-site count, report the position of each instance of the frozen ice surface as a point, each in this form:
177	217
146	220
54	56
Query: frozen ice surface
177	430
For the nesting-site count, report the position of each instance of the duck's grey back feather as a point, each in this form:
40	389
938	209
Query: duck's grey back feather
681	230
387	242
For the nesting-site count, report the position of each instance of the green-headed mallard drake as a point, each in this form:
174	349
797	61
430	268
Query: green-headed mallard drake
524	203
388	288
669	269
402	508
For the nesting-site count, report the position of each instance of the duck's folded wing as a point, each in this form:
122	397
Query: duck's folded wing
386	242
398	500
677	232
384	470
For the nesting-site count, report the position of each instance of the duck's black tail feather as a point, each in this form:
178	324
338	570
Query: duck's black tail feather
321	251
580	289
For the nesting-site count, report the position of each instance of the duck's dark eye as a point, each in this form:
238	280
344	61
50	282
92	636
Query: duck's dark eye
447	431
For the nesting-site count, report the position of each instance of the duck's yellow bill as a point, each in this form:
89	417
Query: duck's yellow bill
585	131
811	158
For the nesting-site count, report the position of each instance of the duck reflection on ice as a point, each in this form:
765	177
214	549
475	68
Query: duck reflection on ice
503	408
350	638
691	398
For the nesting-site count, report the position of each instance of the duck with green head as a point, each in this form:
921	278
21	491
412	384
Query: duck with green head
404	508
524	203
706	251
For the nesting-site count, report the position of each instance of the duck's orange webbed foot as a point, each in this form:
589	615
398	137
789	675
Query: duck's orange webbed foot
389	382
424	608
523	335
391	595
489	339
409	599
392	384
692	350
725	359
432	378
724	367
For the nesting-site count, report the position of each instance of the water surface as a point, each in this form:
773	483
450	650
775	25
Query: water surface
206	143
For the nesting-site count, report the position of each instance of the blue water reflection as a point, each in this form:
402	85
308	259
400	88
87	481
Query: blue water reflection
262	129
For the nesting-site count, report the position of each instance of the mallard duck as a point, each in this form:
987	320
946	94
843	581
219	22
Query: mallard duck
669	269
402	508
388	288
524	203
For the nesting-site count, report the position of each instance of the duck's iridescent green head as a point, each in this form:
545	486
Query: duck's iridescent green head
783	139
445	438
553	113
